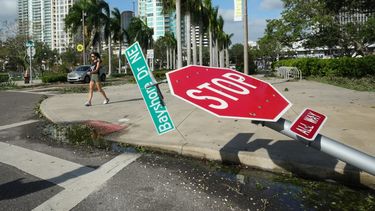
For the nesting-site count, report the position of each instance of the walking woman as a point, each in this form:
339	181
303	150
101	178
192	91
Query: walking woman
95	67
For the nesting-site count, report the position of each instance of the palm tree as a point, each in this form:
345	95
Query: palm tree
178	34
108	39
139	31
75	19
219	42
195	13
203	26
118	33
96	17
212	16
171	45
168	6
227	43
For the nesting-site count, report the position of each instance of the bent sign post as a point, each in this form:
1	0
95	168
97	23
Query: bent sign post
159	113
228	93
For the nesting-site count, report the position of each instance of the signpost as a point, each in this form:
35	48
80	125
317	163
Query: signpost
150	56
308	124
30	53
158	111
228	93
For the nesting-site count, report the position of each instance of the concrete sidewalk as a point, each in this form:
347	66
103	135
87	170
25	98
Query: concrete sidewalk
351	121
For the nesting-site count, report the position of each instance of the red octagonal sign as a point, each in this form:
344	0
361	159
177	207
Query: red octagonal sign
228	93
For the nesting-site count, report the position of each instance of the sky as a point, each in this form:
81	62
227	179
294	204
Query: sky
258	12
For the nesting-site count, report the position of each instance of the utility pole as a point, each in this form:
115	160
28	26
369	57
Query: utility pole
245	40
83	37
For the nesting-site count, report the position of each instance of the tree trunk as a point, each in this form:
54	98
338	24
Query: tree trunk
222	58
178	33
194	45
119	57
174	59
188	38
227	57
201	42
210	46
216	53
167	58
109	56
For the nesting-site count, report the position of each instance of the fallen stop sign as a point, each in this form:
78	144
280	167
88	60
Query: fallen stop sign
227	93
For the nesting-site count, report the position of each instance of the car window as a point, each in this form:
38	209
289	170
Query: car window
82	69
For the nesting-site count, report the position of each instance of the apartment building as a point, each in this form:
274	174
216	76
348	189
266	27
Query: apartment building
60	39
43	21
151	12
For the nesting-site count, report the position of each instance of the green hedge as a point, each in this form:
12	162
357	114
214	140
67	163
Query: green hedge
159	74
4	77
342	67
54	77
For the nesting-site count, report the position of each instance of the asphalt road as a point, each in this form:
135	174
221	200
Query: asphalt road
38	172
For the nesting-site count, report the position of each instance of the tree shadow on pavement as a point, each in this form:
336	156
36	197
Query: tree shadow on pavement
291	156
17	188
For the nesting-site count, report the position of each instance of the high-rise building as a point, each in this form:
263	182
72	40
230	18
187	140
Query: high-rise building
34	19
151	12
60	39
43	21
126	17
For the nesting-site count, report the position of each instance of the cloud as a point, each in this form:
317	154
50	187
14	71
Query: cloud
8	9
271	4
255	27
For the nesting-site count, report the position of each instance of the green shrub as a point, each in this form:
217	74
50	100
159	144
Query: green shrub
338	67
52	77
118	75
159	74
4	77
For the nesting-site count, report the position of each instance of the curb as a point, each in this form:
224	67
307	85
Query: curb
349	177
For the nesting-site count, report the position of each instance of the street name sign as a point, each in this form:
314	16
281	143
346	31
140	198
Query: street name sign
29	43
308	124
150	53
31	52
159	113
227	93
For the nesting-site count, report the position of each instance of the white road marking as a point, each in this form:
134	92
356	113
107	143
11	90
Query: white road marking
4	127
79	181
81	187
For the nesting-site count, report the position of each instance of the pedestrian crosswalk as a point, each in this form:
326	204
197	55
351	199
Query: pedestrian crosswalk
77	180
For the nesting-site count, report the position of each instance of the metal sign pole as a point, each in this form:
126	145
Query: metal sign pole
31	71
327	145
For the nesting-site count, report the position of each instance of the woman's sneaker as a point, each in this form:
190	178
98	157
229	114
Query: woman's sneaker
106	101
87	104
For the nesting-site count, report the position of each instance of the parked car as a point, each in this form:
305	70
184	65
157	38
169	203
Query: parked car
79	74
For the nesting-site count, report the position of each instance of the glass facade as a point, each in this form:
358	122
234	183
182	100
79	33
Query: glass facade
151	12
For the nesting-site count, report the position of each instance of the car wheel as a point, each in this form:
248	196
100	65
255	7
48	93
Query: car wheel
102	78
87	79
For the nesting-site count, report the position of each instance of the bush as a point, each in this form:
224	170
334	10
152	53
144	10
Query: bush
52	77
339	67
4	77
118	75
159	74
